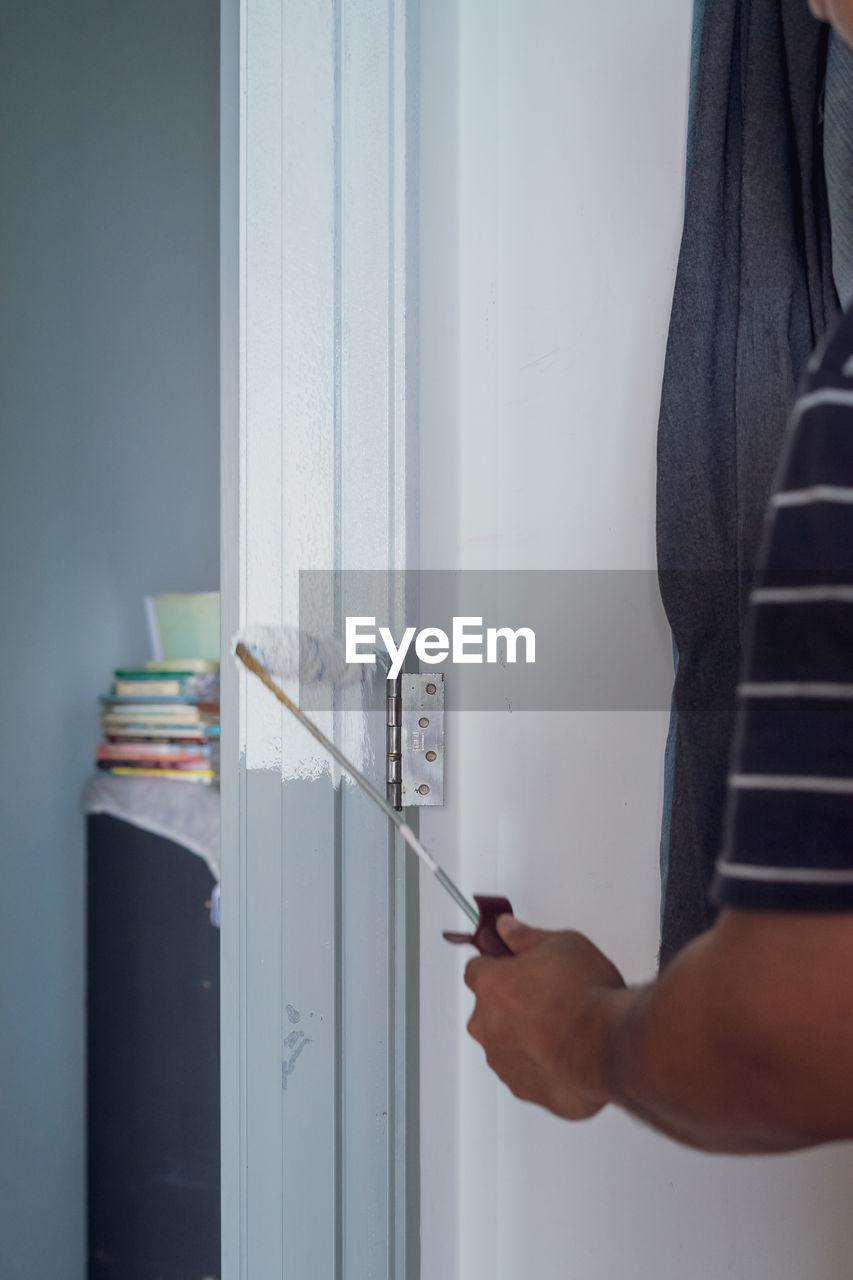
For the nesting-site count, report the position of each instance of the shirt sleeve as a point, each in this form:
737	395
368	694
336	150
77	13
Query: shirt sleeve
788	837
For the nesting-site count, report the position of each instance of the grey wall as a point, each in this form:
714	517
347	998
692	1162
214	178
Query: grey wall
108	490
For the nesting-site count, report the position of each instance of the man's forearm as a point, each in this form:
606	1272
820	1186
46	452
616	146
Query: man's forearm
744	1044
712	1056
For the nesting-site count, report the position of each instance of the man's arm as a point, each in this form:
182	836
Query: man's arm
744	1044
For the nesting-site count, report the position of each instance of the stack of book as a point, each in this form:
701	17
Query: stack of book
162	721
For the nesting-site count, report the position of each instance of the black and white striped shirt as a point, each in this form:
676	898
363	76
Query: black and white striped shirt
788	841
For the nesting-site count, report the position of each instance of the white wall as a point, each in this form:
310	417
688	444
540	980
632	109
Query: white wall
551	188
108	490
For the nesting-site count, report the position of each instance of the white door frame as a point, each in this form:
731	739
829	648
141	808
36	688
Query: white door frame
319	907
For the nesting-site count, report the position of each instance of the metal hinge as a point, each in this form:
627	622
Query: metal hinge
415	740
393	732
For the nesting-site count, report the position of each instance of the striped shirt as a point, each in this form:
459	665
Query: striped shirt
788	839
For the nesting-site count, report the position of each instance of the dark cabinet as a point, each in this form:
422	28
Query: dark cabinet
153	1059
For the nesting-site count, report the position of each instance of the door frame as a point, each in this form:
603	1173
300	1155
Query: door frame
319	945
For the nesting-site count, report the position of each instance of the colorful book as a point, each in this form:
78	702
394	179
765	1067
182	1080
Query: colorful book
182	666
115	750
114	699
156	714
167	733
186	624
204	776
163	684
156	752
148	688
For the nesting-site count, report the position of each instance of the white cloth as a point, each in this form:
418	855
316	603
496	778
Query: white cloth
185	812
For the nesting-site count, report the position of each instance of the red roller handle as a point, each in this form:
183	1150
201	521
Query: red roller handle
485	937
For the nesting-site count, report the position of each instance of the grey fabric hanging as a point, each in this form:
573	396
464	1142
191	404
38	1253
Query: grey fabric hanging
754	293
838	158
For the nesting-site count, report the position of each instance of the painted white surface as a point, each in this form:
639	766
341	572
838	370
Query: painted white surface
551	187
315	898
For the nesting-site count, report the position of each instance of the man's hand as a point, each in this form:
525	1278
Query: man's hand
541	1016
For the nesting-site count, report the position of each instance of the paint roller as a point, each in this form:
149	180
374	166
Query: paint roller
288	654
